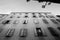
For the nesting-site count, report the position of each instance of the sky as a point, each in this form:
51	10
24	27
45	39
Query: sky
8	6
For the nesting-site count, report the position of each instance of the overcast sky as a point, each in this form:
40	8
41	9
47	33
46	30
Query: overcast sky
7	6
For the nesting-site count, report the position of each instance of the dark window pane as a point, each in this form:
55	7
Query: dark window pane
25	22
54	21
34	16
58	16
50	16
58	28
26	16
26	13
6	22
23	33
18	16
58	20
45	21
10	32
53	32
33	13
39	32
11	16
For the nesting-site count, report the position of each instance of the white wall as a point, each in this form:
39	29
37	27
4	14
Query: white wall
7	6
